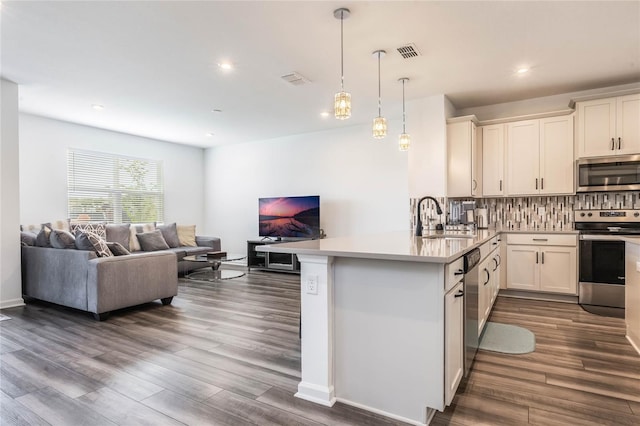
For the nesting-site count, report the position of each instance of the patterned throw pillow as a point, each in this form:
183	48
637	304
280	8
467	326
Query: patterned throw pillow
134	244
187	235
97	228
99	245
62	239
117	249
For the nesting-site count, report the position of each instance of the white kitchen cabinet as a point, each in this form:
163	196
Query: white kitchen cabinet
488	280
540	156
609	126
493	154
464	158
632	293
454	340
542	262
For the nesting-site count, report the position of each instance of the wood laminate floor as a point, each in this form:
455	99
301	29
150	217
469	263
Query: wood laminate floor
228	353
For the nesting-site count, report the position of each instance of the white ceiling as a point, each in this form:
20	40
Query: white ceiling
153	65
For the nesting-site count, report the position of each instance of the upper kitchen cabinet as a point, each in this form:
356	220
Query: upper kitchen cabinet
493	160
540	156
464	158
608	126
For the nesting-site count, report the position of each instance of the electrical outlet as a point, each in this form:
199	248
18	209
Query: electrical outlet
312	284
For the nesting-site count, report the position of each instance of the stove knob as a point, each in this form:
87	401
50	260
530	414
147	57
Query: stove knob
589	214
636	214
581	214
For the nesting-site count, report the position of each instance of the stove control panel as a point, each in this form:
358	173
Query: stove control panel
607	215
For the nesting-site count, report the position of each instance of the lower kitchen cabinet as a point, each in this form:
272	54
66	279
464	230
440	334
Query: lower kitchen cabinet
632	293
548	263
454	340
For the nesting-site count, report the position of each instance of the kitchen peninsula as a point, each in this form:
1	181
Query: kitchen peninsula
373	319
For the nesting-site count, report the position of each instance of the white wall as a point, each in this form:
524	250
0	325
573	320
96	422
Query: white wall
362	182
10	279
43	168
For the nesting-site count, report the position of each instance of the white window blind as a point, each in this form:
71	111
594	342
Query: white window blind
112	188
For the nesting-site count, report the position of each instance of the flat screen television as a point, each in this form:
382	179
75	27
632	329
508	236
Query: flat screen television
289	217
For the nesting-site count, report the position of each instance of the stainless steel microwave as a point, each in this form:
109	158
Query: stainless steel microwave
616	173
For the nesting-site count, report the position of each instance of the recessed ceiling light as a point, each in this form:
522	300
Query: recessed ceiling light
209	135
523	70
97	107
324	114
226	66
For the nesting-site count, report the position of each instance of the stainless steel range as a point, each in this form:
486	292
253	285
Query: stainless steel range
601	258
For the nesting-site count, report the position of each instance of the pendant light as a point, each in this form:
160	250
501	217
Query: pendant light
405	139
342	101
379	123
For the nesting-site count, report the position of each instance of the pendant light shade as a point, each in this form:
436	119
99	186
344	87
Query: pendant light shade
342	100
405	140
379	129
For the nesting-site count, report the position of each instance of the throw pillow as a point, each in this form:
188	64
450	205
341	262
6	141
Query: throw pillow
42	239
61	224
28	238
118	233
152	241
117	249
96	228
170	234
187	235
82	241
62	239
134	245
99	245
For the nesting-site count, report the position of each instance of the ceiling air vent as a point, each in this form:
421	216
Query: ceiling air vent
295	79
408	51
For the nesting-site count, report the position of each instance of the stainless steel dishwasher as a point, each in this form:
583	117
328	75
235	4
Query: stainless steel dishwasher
471	291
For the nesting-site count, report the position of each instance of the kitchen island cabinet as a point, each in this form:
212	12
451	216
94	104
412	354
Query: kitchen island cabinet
374	314
632	290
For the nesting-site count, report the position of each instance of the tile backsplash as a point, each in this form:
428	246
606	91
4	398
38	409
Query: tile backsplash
548	212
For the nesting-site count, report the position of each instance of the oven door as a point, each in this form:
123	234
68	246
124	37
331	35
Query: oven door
619	173
601	271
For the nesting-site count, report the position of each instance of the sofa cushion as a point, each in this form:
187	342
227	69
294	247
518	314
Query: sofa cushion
62	239
117	249
97	228
170	234
99	245
118	233
42	239
134	244
187	235
82	241
28	238
152	241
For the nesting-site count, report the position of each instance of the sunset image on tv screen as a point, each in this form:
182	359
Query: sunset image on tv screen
289	217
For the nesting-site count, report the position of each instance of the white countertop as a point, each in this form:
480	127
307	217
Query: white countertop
400	245
633	240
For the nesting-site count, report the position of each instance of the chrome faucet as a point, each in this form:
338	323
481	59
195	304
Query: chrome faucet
418	232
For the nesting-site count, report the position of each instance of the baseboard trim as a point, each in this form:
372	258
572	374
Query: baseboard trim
430	413
12	303
547	297
318	394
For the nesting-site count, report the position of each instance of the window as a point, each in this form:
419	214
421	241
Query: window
112	188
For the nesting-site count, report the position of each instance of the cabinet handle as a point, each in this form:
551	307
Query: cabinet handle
496	261
536	183
458	272
540	239
460	293
475	184
541	183
536	257
619	143
488	276
621	278
613	144
543	258
499	259
500	184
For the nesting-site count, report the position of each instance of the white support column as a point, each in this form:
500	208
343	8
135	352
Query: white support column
317	331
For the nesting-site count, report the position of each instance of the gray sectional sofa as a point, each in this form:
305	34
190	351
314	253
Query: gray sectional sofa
82	280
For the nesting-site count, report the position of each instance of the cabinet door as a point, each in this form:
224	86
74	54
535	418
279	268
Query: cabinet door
556	155
523	153
459	161
476	156
596	128
628	124
522	267
484	293
558	271
454	341
495	277
493	160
